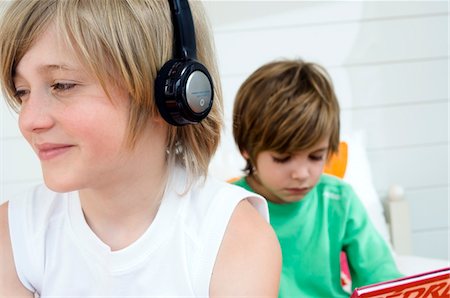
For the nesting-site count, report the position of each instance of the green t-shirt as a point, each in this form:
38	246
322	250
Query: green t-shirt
314	231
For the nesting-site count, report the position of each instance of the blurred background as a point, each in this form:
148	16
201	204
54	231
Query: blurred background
389	63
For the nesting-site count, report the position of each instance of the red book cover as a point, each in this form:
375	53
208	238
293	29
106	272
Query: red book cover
433	284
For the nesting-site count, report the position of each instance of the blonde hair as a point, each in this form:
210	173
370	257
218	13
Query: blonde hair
285	106
125	42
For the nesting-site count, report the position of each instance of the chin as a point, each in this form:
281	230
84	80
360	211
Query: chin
60	185
294	200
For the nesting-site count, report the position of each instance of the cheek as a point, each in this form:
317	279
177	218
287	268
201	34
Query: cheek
103	129
271	173
318	170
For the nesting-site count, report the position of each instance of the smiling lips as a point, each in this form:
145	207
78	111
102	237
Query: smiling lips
49	151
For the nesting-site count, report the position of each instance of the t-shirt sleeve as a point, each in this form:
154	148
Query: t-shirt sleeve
370	259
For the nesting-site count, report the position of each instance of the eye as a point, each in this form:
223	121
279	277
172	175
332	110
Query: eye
317	157
60	87
21	94
281	158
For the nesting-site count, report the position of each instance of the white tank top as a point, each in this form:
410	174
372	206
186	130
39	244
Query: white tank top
58	255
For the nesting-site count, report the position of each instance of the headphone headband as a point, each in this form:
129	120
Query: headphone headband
183	28
183	86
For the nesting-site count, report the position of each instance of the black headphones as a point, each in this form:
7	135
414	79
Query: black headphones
183	86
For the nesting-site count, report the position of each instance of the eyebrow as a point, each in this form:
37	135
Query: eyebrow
55	67
46	68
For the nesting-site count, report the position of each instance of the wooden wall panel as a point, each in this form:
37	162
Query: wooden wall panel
8	120
381	41
432	244
19	162
413	167
389	63
405	125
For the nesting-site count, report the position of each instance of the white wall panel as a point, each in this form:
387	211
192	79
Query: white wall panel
374	85
432	244
411	167
399	39
335	44
8	120
403	8
247	15
399	126
230	86
19	162
429	208
397	83
236	50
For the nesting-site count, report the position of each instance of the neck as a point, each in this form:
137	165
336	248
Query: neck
121	212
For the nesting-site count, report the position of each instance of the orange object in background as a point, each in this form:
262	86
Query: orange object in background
337	163
234	179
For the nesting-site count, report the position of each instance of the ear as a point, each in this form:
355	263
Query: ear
245	154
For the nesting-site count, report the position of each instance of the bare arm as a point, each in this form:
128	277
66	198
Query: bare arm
10	285
249	259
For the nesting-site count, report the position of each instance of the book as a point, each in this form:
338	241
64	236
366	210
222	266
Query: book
433	284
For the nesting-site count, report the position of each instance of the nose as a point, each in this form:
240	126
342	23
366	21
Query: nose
36	113
299	171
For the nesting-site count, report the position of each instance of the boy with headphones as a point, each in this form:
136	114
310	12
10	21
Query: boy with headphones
109	94
286	125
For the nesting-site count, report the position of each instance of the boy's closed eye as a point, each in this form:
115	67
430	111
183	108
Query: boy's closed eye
286	158
316	155
319	155
281	158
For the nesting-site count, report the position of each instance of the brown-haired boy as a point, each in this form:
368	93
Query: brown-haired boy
286	125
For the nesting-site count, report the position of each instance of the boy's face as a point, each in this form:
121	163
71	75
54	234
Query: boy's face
286	178
76	130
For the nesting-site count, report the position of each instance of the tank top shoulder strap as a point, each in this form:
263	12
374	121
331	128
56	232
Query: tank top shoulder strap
216	220
29	214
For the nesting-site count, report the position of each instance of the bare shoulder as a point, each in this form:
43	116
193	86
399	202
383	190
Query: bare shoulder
249	259
10	285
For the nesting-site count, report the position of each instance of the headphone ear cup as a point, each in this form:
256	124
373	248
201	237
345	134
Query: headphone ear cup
162	91
183	92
